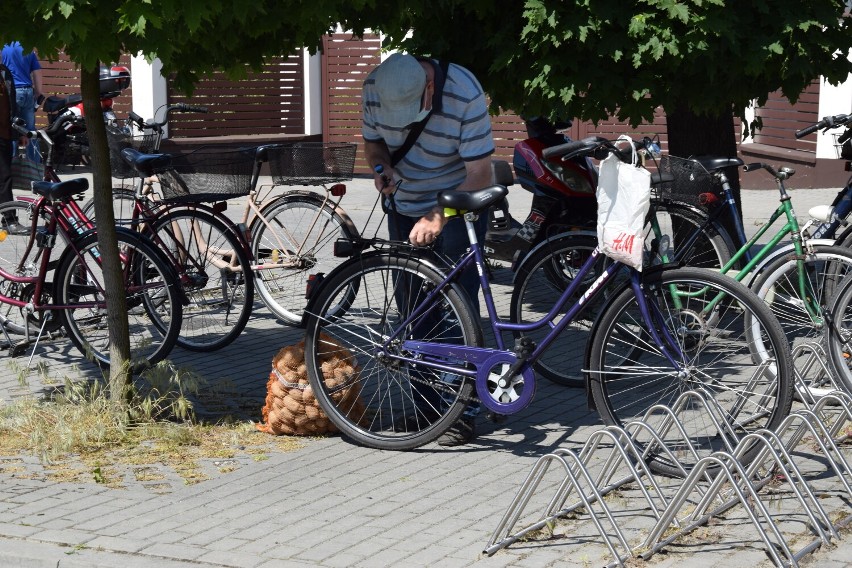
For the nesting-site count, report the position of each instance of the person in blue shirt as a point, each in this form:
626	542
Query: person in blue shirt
26	71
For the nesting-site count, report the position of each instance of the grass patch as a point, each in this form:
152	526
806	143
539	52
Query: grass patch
81	435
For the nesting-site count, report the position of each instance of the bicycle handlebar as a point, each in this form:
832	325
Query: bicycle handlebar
827	123
152	124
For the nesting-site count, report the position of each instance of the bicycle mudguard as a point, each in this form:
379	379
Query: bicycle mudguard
304	195
546	242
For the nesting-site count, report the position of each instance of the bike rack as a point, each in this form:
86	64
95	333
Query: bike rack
802	371
716	484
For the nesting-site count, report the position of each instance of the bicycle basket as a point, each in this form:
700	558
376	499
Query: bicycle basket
844	149
311	163
118	140
208	174
690	181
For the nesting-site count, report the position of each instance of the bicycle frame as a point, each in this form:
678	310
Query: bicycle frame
290	249
790	227
519	364
146	208
58	220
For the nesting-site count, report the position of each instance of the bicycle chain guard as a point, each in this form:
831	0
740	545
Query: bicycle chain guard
490	365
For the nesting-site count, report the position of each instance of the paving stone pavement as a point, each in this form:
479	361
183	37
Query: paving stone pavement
330	503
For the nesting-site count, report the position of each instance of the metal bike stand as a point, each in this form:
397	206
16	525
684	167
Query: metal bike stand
817	359
622	453
717	483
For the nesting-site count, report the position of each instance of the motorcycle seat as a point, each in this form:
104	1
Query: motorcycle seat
60	190
55	104
473	201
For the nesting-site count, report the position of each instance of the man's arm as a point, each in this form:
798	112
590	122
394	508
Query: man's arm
429	226
36	79
377	153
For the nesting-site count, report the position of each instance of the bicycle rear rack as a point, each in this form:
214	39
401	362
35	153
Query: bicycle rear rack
716	484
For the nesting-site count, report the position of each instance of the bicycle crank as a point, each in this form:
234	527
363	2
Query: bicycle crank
500	393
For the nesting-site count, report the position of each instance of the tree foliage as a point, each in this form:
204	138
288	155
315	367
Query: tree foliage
595	59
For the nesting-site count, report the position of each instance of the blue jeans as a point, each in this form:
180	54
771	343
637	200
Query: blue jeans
25	102
451	244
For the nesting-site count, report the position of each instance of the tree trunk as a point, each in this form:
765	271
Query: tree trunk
119	335
693	135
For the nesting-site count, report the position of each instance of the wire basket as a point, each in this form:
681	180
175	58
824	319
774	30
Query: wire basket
311	163
843	150
118	140
690	180
208	174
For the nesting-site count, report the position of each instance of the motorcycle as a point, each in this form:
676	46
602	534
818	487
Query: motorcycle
71	146
563	195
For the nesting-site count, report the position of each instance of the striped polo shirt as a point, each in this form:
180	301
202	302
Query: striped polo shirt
459	132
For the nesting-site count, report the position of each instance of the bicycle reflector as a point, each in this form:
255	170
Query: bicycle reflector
338	190
708	200
314	280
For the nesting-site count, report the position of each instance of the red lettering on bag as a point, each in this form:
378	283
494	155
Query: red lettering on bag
623	242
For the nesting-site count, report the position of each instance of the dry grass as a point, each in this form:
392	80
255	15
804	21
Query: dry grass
81	435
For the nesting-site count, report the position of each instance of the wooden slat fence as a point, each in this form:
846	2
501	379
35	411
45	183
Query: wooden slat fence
267	102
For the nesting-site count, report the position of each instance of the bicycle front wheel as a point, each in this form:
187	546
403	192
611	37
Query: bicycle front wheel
215	272
729	348
292	238
153	300
359	378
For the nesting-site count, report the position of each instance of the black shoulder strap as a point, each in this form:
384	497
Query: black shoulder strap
437	104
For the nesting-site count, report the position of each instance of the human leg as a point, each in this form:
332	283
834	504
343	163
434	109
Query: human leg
26	111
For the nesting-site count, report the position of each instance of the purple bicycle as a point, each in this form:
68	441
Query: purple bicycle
395	350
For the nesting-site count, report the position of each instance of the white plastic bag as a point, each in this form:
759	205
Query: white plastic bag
624	197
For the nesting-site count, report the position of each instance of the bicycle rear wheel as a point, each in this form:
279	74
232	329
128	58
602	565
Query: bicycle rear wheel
293	238
215	271
153	300
371	396
729	345
712	247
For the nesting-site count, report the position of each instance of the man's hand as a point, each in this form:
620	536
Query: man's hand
427	228
384	180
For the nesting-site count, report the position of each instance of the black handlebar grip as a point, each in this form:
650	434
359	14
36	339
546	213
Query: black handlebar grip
809	130
135	118
193	108
752	167
18	125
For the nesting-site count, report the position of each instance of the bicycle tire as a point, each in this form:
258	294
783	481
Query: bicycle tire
542	277
291	247
838	339
380	403
713	247
123	204
718	354
153	299
824	268
12	248
215	271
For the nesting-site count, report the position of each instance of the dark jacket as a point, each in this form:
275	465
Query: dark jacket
8	108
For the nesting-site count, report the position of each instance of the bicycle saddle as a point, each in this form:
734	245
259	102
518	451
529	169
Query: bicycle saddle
472	200
146	164
713	163
61	189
